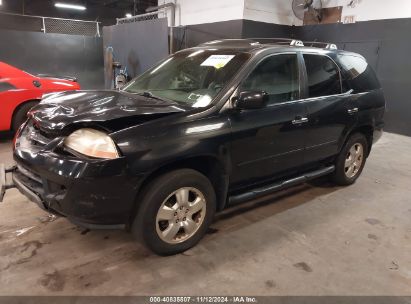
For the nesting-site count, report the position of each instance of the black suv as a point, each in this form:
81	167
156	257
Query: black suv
208	127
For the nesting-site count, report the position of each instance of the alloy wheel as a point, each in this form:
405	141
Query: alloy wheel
354	160
180	215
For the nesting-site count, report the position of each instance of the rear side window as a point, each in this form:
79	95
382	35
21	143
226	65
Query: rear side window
276	75
323	76
5	86
357	74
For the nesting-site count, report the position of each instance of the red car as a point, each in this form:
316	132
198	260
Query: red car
19	91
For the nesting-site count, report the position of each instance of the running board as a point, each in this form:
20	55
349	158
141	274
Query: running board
258	192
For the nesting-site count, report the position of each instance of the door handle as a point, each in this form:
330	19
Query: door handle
352	111
299	120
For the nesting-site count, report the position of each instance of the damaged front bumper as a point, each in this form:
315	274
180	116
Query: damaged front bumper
15	181
95	195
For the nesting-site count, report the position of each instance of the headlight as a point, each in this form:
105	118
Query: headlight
92	143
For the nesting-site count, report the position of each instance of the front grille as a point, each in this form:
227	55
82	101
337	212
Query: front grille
32	138
34	185
42	187
29	174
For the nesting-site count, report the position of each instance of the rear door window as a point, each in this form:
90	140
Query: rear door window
323	76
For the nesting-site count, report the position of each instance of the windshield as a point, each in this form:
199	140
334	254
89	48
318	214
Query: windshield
192	77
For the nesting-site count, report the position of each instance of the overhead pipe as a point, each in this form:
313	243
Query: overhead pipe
172	8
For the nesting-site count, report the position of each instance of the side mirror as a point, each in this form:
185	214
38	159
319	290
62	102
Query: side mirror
251	100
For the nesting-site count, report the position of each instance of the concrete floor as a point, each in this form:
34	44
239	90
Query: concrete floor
310	240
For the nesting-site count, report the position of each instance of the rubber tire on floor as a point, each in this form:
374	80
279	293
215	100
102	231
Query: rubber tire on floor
339	176
20	115
144	224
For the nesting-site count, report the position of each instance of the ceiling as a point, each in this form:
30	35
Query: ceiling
105	11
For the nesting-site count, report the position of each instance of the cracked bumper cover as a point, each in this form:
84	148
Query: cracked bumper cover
94	192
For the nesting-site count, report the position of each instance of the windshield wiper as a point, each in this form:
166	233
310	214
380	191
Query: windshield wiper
145	94
149	94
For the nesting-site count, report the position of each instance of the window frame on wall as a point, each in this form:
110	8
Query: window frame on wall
306	90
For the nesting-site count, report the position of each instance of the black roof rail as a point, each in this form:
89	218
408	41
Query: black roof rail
281	41
296	42
287	41
325	45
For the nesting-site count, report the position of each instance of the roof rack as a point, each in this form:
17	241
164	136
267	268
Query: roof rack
326	45
281	41
286	41
296	42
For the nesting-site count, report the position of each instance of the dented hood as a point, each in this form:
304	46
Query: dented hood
56	111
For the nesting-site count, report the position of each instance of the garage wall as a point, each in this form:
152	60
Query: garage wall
56	54
193	35
254	29
269	11
280	11
137	45
366	10
190	12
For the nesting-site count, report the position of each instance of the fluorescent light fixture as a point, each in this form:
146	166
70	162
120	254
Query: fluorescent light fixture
1	2
128	15
70	6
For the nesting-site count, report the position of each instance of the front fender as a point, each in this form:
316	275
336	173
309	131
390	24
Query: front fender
161	142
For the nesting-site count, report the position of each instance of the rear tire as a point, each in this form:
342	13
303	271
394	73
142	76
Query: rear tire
351	160
175	211
20	116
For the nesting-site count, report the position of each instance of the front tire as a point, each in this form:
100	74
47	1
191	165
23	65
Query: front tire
351	160
175	211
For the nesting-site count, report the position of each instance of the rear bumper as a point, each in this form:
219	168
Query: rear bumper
90	193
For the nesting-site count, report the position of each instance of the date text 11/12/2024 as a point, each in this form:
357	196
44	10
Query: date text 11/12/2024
204	299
